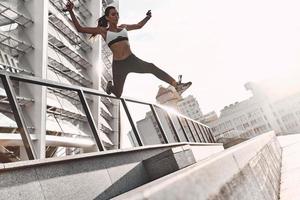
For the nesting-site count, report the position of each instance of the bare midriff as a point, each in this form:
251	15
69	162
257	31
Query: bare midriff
121	50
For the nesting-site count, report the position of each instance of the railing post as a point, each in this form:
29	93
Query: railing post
20	120
200	132
90	120
209	134
181	126
196	131
204	132
173	126
190	130
119	127
134	129
159	124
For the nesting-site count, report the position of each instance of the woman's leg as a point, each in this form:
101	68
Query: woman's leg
119	77
139	66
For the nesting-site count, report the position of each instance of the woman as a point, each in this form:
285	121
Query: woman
124	61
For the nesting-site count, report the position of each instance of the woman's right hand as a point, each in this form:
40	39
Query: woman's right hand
149	14
69	6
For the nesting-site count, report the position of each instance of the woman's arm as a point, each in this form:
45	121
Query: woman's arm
79	28
139	25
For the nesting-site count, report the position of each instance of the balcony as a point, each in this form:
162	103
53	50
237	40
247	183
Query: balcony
10	44
11	64
62	24
72	74
8	16
74	57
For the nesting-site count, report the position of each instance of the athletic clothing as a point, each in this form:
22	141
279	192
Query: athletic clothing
121	68
113	37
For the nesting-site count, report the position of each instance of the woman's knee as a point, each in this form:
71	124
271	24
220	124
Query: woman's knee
118	92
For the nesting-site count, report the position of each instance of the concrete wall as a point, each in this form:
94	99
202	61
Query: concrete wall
250	170
88	176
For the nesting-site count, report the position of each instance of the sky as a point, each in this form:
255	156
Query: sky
218	45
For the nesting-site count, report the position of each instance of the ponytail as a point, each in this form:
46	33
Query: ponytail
102	21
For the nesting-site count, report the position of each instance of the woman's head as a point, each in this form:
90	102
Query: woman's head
111	16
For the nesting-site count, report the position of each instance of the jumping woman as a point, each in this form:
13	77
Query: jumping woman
124	61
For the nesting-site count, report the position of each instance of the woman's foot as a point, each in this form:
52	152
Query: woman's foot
109	87
181	87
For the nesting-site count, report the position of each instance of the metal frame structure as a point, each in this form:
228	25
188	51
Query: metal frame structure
58	45
15	46
23	128
81	91
74	38
69	73
19	18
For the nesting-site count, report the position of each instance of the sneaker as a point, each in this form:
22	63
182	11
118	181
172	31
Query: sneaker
109	87
181	87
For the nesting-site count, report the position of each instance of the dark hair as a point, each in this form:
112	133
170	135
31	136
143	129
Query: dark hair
102	21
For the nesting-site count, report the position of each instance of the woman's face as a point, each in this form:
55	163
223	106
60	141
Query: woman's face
113	16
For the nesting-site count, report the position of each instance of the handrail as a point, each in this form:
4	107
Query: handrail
203	130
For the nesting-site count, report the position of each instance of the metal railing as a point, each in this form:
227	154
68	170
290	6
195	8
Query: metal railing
193	131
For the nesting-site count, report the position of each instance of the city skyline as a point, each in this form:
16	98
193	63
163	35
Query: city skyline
219	46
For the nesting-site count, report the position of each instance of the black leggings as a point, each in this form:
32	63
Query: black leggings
121	68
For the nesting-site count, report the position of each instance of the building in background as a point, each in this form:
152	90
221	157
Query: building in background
189	106
38	39
268	109
209	117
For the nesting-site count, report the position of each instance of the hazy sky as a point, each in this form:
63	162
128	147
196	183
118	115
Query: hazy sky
218	45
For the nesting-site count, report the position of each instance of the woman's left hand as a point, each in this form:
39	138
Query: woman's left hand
149	14
69	6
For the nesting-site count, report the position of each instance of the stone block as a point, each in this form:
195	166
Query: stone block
78	179
168	161
244	152
20	184
124	178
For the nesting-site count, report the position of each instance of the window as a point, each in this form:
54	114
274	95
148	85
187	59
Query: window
246	125
1	58
265	117
253	122
13	62
249	115
6	59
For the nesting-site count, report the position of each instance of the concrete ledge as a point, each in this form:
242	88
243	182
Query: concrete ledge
202	152
250	170
290	171
31	163
100	175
